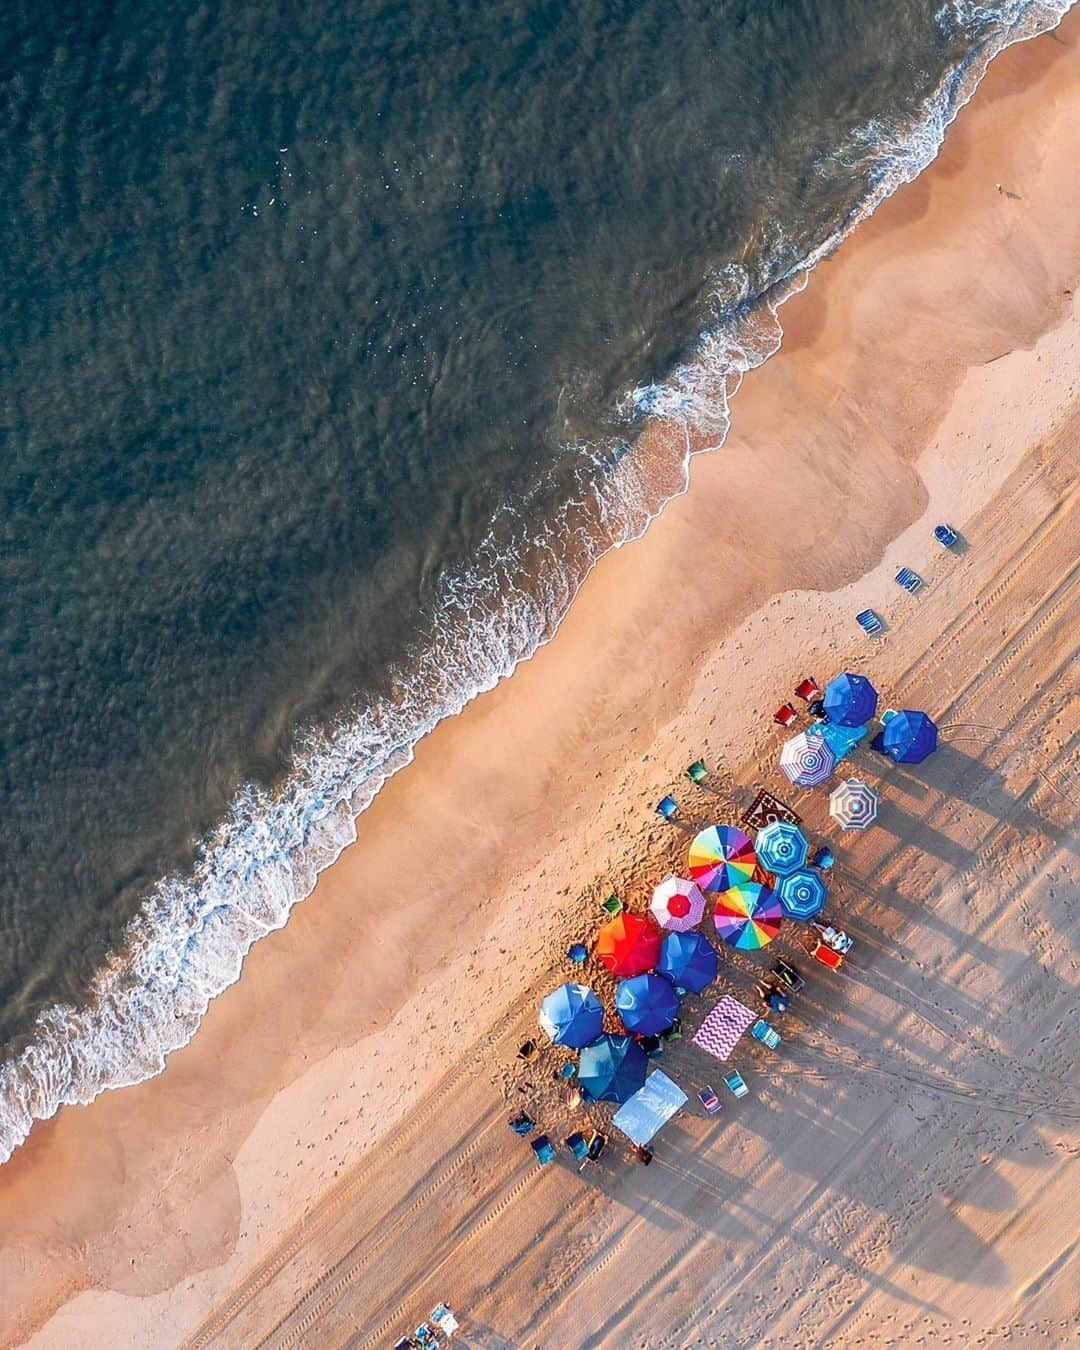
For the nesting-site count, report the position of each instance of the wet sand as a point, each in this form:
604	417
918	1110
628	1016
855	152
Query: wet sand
905	1156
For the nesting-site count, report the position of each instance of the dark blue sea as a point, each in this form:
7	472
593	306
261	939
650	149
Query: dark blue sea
328	330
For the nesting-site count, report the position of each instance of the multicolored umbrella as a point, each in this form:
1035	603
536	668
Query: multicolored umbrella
628	945
802	894
854	804
909	737
850	700
612	1069
688	960
781	847
678	904
748	916
722	857
807	759
572	1015
647	1004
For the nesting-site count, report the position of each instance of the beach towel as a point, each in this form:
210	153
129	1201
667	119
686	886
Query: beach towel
719	1033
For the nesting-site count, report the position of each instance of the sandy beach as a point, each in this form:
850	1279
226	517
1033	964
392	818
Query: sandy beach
329	1156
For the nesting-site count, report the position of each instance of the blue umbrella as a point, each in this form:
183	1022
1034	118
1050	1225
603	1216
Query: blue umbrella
647	1004
572	1015
781	847
850	700
802	894
909	737
612	1069
688	960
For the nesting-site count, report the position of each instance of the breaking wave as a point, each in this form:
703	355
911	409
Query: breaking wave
188	942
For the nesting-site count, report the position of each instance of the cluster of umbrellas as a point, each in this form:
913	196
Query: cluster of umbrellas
850	701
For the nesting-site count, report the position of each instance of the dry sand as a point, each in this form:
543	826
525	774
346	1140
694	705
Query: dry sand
329	1156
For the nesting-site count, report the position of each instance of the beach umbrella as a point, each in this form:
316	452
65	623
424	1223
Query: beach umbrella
807	759
628	945
748	916
854	804
850	700
802	894
612	1069
647	1004
572	1015
688	960
909	737
781	847
677	904
722	857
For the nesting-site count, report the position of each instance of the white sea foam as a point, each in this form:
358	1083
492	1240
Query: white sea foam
190	937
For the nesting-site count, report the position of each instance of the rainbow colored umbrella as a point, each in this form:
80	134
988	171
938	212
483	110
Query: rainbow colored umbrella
677	904
854	804
748	916
722	857
781	847
802	894
807	759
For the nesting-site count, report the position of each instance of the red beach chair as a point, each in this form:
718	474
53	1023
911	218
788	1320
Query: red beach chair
785	715
808	691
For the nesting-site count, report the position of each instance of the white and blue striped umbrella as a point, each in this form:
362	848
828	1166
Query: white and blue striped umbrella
807	759
854	804
801	894
781	847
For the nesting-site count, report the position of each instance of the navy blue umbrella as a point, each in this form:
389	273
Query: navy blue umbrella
647	1004
688	960
612	1069
909	737
850	700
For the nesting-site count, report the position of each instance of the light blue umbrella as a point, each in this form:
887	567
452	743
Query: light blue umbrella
801	894
781	847
572	1015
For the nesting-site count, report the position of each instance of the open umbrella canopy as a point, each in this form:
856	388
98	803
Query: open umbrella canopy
850	700
781	847
628	945
722	857
688	960
748	916
647	1004
612	1069
909	737
807	759
854	804
802	894
678	904
572	1015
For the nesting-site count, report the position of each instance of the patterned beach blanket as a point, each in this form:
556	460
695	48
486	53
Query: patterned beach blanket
719	1033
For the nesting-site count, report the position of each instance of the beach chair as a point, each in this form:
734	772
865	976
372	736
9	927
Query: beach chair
823	859
568	1069
522	1123
785	715
869	622
674	1032
404	1343
945	535
736	1084
697	772
543	1150
828	958
527	1050
577	1145
444	1319
761	1031
709	1100
667	807
613	905
597	1144
808	691
425	1335
786	973
577	952
911	581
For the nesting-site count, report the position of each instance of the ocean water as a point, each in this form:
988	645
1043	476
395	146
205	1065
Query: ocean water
327	335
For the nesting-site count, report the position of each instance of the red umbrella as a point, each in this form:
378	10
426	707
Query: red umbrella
628	945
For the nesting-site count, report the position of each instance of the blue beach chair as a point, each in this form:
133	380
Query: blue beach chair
543	1150
736	1084
869	622
761	1031
945	535
667	806
911	581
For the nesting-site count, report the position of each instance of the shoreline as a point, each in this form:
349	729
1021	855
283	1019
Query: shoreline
181	953
217	1142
